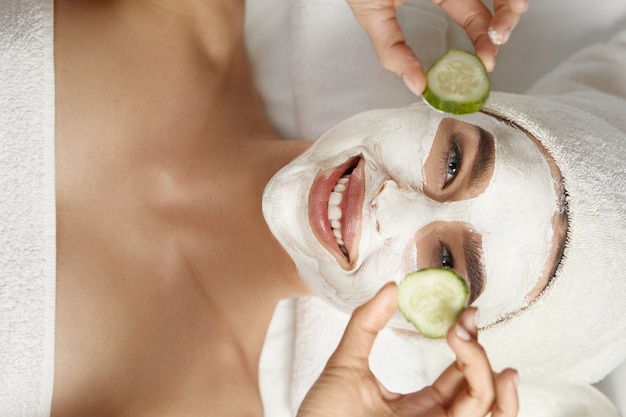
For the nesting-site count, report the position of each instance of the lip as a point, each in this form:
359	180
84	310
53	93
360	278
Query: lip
351	208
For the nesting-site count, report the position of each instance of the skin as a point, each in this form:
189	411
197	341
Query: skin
163	150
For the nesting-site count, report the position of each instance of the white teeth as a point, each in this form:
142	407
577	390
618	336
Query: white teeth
334	212
339	188
335	198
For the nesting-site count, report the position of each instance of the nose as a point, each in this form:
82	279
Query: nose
399	210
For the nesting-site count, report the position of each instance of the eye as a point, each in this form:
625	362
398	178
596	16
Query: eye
446	258
454	161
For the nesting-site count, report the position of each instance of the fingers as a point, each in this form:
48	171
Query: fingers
507	402
473	389
366	322
474	17
507	14
378	18
479	395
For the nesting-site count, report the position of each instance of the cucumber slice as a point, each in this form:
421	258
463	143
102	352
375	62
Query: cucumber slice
457	83
432	299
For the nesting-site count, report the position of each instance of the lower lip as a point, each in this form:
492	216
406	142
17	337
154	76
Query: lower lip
351	206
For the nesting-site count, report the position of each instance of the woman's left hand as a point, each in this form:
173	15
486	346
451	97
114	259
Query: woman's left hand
485	31
467	388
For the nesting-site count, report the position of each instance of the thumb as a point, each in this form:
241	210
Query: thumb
366	322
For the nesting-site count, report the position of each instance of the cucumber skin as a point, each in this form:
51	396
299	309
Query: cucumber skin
452	107
407	314
455	107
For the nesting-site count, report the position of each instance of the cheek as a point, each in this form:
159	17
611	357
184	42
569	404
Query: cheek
354	288
404	152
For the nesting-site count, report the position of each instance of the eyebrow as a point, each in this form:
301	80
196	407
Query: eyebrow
484	157
472	244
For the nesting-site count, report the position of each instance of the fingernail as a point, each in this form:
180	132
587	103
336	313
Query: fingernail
410	85
462	333
470	320
498	39
494	36
516	379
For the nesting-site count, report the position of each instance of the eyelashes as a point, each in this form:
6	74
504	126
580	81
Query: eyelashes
451	160
446	257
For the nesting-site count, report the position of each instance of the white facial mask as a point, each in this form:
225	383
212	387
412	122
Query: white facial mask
513	214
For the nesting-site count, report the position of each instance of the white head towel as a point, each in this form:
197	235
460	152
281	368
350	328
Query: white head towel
27	208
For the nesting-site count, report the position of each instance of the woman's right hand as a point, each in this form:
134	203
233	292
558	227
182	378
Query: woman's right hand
486	32
467	388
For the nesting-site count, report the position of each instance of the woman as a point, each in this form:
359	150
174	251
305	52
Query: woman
163	151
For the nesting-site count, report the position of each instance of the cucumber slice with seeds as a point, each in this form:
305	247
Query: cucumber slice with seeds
457	83
432	299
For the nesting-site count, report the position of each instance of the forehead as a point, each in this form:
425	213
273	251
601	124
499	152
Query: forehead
380	124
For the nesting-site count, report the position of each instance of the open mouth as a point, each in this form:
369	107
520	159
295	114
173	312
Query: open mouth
335	204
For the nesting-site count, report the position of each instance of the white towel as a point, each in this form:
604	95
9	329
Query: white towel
27	208
592	301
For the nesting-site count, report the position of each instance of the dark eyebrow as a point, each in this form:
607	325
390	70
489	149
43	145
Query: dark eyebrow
472	245
484	156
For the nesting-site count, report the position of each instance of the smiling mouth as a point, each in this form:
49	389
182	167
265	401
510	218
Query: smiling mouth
335	204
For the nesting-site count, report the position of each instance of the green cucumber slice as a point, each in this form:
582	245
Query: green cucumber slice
457	83
432	299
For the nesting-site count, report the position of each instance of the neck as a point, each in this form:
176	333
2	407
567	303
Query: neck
233	252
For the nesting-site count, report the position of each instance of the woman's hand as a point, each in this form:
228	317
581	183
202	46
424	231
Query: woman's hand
485	31
466	388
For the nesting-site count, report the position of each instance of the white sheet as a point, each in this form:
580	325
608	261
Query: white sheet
549	32
27	208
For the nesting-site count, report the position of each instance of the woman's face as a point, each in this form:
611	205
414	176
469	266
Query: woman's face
391	191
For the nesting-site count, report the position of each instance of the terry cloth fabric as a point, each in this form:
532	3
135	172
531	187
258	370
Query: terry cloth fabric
575	333
27	208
